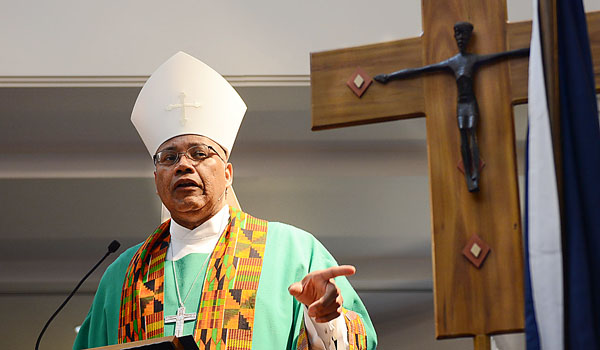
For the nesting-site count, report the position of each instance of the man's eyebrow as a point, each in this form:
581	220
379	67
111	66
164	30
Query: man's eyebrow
191	144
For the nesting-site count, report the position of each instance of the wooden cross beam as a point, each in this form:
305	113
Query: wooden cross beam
469	301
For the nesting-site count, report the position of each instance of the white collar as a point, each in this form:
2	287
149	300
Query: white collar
202	239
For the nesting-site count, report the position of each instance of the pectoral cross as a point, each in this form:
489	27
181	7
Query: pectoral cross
179	320
182	105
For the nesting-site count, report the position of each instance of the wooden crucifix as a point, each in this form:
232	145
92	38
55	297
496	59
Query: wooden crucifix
475	294
463	66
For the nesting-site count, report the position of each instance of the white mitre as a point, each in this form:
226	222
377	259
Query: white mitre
185	96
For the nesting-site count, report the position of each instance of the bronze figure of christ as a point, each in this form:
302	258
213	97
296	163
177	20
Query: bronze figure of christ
463	65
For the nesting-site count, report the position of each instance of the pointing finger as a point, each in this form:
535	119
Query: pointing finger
335	271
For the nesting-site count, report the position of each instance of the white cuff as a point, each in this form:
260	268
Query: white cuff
321	336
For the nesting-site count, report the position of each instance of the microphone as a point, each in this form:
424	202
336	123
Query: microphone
112	247
222	195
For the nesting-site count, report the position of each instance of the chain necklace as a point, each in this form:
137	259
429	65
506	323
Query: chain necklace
181	316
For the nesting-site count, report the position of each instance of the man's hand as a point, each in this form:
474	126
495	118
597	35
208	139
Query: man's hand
320	294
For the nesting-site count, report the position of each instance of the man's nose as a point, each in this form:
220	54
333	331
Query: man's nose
184	164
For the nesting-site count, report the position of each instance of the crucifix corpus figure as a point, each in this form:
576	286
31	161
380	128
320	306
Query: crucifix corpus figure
463	65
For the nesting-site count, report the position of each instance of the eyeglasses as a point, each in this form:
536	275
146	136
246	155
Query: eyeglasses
196	153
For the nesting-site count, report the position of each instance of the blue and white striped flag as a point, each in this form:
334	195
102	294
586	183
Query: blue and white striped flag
580	145
544	270
563	267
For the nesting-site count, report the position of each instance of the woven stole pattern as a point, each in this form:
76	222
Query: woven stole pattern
141	315
226	311
302	342
357	336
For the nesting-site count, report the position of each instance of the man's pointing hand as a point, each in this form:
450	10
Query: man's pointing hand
320	294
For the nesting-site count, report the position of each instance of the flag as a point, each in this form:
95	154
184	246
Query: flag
543	253
580	146
563	265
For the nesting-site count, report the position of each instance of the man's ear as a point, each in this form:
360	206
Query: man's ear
155	186
229	174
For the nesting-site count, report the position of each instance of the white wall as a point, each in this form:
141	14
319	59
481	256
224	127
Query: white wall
238	37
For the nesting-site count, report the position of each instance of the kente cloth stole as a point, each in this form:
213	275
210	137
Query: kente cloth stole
226	313
357	336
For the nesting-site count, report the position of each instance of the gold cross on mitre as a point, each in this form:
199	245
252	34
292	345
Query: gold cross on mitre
182	105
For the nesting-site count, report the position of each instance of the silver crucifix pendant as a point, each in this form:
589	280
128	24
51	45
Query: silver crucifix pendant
179	320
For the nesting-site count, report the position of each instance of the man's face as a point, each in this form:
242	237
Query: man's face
462	34
193	191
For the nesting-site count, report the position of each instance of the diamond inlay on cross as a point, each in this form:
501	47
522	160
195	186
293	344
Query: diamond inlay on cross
475	250
358	81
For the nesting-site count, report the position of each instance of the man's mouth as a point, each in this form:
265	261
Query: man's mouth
186	184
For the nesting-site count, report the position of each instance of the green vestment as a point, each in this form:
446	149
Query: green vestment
290	254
